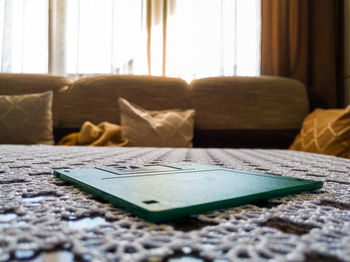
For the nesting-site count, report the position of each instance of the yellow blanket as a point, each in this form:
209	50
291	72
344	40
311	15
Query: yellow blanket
104	134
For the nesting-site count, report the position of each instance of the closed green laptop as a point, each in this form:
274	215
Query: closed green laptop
160	193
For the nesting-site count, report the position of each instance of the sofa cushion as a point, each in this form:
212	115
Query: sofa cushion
95	98
325	132
18	84
26	119
248	103
165	128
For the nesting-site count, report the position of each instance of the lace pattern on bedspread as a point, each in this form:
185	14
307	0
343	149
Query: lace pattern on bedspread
41	215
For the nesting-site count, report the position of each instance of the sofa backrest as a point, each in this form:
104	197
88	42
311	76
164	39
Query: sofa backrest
230	111
19	84
256	111
95	98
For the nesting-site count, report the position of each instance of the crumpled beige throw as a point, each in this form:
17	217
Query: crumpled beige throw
104	134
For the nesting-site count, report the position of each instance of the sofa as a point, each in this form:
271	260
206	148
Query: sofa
232	112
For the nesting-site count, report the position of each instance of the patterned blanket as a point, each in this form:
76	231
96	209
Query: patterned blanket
42	217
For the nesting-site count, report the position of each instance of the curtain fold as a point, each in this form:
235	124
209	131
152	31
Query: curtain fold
157	12
157	27
57	37
19	44
302	39
5	40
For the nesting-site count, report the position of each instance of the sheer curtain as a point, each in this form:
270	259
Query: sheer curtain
100	37
213	37
24	36
181	38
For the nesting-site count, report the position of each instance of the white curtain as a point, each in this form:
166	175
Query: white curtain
100	37
213	37
181	38
24	36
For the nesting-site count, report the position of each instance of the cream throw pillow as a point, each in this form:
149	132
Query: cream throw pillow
166	128
26	119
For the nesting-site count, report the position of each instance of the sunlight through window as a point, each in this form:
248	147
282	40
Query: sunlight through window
103	36
24	36
210	38
203	38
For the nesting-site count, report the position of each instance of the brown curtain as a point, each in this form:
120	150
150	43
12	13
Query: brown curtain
303	39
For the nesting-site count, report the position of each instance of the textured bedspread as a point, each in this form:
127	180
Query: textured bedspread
42	217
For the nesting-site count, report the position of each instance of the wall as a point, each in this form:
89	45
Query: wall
347	51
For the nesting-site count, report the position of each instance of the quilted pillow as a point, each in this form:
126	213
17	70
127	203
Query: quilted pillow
26	119
325	132
165	128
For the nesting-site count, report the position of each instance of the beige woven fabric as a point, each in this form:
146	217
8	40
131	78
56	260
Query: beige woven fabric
95	98
26	119
44	219
260	103
325	132
18	84
165	128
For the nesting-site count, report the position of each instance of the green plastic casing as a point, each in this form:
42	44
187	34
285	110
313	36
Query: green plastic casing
160	193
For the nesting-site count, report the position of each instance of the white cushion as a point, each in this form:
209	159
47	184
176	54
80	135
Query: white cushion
165	128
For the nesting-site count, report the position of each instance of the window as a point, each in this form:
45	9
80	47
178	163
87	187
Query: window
202	37
24	36
103	36
208	38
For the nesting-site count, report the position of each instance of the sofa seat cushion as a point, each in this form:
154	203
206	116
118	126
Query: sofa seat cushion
244	138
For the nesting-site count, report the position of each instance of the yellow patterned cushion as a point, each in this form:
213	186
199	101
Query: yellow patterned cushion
325	132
